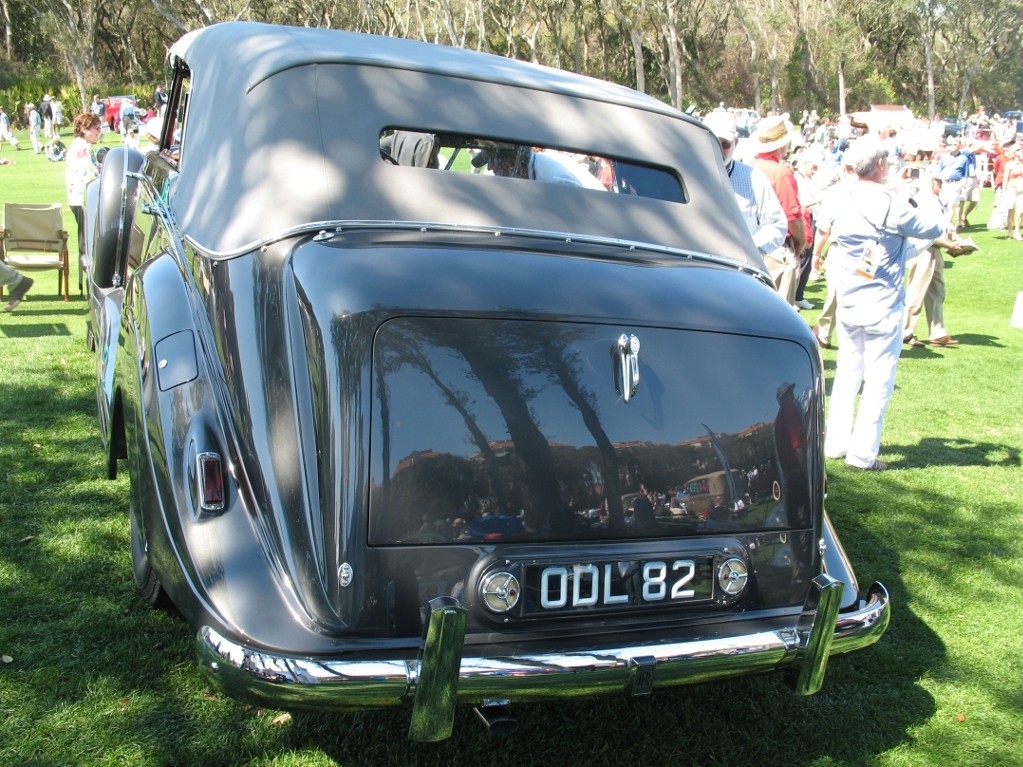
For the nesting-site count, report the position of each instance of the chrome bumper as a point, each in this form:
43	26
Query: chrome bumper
442	677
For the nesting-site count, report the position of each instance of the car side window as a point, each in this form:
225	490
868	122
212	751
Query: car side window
176	112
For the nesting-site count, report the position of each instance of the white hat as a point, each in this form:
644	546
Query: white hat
722	125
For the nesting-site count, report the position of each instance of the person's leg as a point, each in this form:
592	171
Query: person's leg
972	197
803	276
934	300
881	352
826	319
845	387
918	276
782	266
8	276
79	213
17	282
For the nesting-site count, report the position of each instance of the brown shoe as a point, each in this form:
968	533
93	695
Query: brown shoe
913	341
943	341
820	341
18	292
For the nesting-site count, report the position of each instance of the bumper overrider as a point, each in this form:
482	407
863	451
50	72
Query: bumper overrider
441	677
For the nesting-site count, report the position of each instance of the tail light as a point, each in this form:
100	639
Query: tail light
210	479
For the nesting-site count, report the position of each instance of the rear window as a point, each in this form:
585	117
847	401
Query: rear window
458	153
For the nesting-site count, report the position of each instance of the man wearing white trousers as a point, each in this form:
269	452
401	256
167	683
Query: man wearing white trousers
867	260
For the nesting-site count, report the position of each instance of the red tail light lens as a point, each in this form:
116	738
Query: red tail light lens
210	475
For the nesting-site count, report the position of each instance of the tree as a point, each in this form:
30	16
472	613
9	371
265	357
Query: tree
630	17
782	54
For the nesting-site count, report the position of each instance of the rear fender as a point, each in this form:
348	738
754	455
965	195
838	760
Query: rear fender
837	565
168	402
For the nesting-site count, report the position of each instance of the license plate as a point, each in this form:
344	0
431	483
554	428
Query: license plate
605	586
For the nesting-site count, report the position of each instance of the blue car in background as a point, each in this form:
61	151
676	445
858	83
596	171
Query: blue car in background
1017	116
951	126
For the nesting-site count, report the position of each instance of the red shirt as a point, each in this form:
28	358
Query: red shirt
783	180
998	167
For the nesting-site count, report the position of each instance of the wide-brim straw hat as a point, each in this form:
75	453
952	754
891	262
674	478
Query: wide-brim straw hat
772	133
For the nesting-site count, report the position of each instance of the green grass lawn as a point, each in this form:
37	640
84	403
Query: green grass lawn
90	676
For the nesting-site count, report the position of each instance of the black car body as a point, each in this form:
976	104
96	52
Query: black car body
403	420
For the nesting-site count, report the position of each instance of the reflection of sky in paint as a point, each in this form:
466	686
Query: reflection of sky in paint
686	380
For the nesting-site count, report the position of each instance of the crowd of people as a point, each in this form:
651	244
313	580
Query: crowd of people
82	161
874	209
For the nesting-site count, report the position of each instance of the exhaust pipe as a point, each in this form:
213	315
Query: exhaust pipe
496	717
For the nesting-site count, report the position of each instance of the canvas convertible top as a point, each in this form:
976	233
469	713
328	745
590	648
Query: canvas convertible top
283	126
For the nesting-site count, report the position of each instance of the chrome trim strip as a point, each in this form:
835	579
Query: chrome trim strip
338	683
329	229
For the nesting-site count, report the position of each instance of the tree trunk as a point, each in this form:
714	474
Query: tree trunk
5	18
841	87
632	27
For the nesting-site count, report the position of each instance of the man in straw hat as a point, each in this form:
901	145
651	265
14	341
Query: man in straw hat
771	142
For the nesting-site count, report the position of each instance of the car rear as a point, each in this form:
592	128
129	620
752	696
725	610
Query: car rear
506	452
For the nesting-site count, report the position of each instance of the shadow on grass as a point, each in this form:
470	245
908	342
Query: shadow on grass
955	451
37	330
82	640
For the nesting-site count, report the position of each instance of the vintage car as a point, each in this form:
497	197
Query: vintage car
1015	116
952	126
113	106
383	359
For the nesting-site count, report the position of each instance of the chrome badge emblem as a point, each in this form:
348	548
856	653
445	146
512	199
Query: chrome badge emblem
500	592
345	575
625	354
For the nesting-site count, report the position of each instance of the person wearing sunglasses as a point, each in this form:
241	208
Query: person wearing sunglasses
753	192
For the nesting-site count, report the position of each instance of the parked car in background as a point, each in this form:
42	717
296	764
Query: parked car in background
113	106
382	373
1016	115
745	120
952	126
